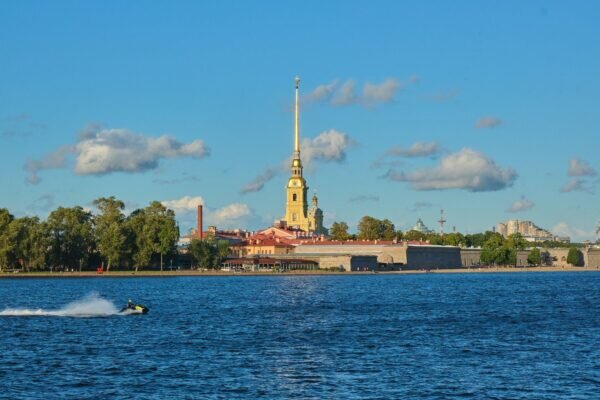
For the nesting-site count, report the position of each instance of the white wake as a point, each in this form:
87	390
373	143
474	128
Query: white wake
90	306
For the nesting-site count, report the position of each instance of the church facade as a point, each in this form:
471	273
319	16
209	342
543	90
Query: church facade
298	213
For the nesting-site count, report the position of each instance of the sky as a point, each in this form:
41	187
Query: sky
487	110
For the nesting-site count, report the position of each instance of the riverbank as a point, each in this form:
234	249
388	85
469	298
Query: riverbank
179	273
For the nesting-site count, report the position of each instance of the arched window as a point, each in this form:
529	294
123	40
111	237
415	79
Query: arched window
294	197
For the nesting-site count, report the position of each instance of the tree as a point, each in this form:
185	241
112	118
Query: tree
71	236
221	253
368	228
454	239
516	241
574	256
339	231
387	230
413	235
534	257
166	231
5	244
203	252
141	240
494	251
154	232
30	242
110	229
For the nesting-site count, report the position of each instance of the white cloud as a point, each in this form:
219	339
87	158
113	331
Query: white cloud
119	150
184	204
328	146
466	169
53	160
575	185
102	151
382	93
417	149
579	167
230	214
259	182
235	215
487	122
522	204
564	229
345	94
321	93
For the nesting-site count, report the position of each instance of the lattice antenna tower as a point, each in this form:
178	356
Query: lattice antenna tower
442	221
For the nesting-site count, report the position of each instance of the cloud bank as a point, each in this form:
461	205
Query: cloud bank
466	169
337	93
101	151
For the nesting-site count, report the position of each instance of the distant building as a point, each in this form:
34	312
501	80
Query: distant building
421	227
530	231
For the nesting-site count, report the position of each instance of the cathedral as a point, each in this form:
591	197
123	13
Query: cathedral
298	214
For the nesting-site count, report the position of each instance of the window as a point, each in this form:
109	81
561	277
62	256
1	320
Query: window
294	197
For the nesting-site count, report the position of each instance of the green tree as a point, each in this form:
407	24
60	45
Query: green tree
110	230
454	239
574	256
6	249
166	232
141	238
71	237
369	228
534	257
154	231
435	239
414	236
387	230
222	253
30	242
494	251
339	231
203	252
516	241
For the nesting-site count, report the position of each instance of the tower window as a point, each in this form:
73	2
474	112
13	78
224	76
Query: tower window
294	197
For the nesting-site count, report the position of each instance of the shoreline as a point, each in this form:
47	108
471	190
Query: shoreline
190	273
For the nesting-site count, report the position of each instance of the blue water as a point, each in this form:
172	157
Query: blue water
433	336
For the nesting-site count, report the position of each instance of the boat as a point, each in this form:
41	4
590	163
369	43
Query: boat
132	308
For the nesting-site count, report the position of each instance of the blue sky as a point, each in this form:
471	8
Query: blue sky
488	110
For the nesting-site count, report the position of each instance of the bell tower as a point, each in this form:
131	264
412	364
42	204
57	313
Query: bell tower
296	207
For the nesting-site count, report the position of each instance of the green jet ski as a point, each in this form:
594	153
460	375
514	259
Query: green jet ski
132	308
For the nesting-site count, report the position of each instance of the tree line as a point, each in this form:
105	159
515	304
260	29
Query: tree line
75	238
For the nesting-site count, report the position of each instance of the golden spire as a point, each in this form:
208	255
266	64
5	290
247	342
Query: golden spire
296	125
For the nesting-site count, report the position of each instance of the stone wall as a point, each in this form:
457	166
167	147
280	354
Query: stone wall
470	258
433	257
591	257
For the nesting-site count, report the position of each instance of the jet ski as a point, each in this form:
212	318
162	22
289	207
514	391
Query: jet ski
132	308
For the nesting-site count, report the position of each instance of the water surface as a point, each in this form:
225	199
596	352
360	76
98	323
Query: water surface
434	336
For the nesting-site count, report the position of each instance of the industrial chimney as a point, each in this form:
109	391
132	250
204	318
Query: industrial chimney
200	222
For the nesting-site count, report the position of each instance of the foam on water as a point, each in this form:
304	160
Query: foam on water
90	306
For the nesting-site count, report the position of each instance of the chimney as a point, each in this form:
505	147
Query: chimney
200	222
